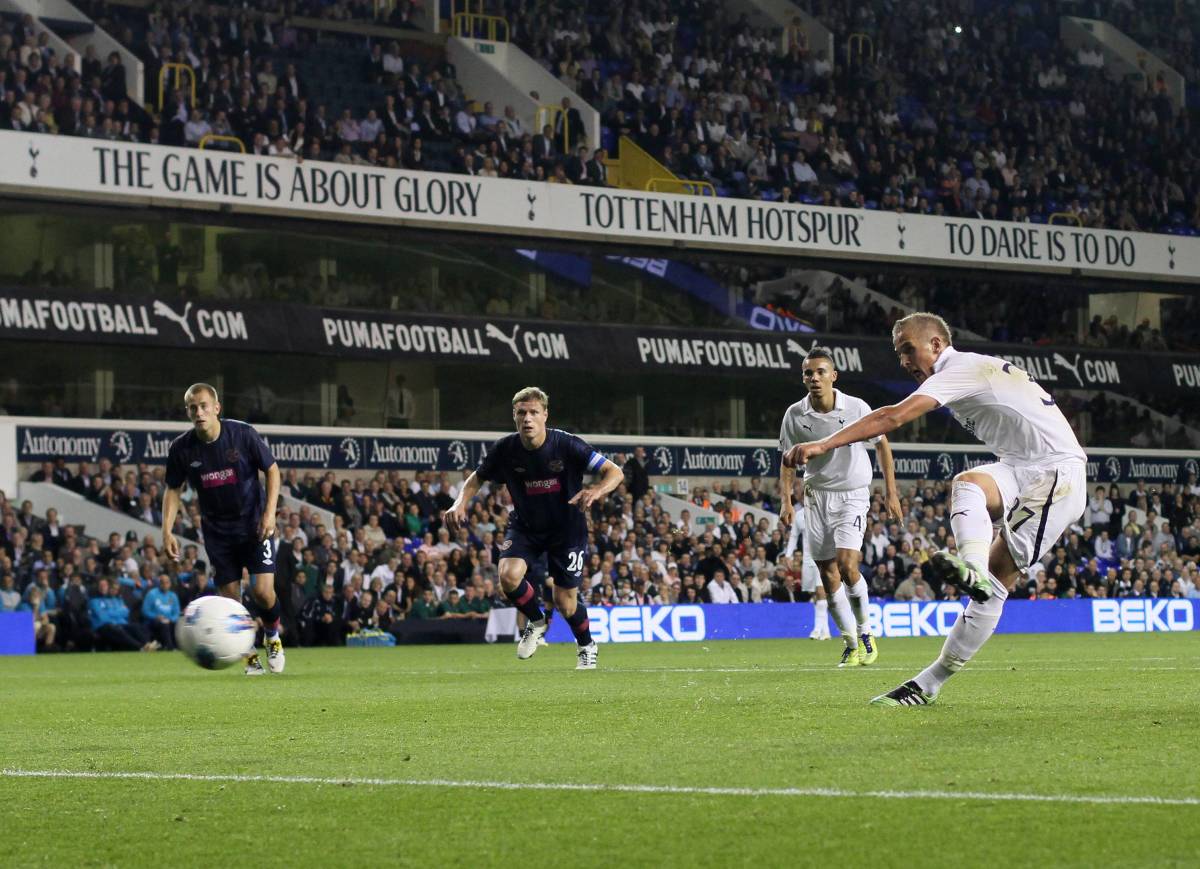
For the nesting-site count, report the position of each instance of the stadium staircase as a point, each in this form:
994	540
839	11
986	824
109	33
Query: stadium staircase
634	168
1170	424
71	32
74	509
783	14
1124	58
700	516
789	290
498	71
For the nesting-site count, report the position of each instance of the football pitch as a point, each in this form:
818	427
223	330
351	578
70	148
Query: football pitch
1078	750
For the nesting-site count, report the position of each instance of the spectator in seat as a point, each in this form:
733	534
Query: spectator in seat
425	607
637	478
453	607
320	619
10	598
44	629
545	148
476	604
719	590
160	610
109	618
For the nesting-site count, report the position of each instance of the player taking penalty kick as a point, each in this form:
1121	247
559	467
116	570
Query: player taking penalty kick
1035	490
221	459
543	470
837	494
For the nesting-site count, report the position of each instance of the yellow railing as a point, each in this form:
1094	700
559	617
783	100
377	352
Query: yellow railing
860	48
1067	217
469	25
472	7
680	185
615	176
162	80
795	35
217	137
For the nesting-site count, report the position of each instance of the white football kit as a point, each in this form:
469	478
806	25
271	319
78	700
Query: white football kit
1041	472
837	485
810	575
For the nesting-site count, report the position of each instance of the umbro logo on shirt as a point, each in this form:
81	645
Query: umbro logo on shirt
197	464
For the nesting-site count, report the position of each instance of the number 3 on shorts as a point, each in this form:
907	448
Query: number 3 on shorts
267	553
575	561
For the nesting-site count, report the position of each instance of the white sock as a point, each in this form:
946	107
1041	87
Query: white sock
843	617
967	637
859	595
973	530
972	525
793	539
821	618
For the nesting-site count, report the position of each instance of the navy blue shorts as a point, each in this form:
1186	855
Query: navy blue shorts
564	557
226	559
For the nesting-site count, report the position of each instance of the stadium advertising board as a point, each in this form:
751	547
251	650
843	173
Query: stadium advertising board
385	452
758	621
85	169
16	634
385	335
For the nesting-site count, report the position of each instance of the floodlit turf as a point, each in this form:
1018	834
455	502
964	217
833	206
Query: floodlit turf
1060	716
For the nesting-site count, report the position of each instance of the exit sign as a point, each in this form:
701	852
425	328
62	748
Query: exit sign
484	48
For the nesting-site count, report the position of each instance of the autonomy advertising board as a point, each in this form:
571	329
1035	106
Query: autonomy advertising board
90	443
767	621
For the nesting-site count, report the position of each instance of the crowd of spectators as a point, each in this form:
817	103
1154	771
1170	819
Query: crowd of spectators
380	555
994	309
249	86
989	117
956	108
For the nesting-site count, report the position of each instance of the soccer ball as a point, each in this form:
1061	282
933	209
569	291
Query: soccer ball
215	632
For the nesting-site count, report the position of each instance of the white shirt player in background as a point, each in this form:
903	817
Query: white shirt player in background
810	574
1033	493
837	497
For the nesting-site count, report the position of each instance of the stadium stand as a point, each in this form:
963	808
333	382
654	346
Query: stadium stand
887	122
918	128
385	538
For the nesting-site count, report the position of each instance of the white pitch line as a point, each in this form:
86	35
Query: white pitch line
980	796
814	668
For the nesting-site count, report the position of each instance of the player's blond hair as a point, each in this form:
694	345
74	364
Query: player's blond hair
925	322
201	387
532	393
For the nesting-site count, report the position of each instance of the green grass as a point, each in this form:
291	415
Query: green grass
1054	715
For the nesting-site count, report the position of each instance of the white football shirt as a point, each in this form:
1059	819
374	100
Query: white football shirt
998	403
843	469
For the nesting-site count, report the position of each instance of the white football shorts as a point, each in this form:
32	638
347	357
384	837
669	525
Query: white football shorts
1040	503
834	519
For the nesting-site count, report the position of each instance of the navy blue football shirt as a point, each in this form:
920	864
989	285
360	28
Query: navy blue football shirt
224	475
542	481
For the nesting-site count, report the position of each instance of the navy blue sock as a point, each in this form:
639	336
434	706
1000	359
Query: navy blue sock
525	599
270	619
580	626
